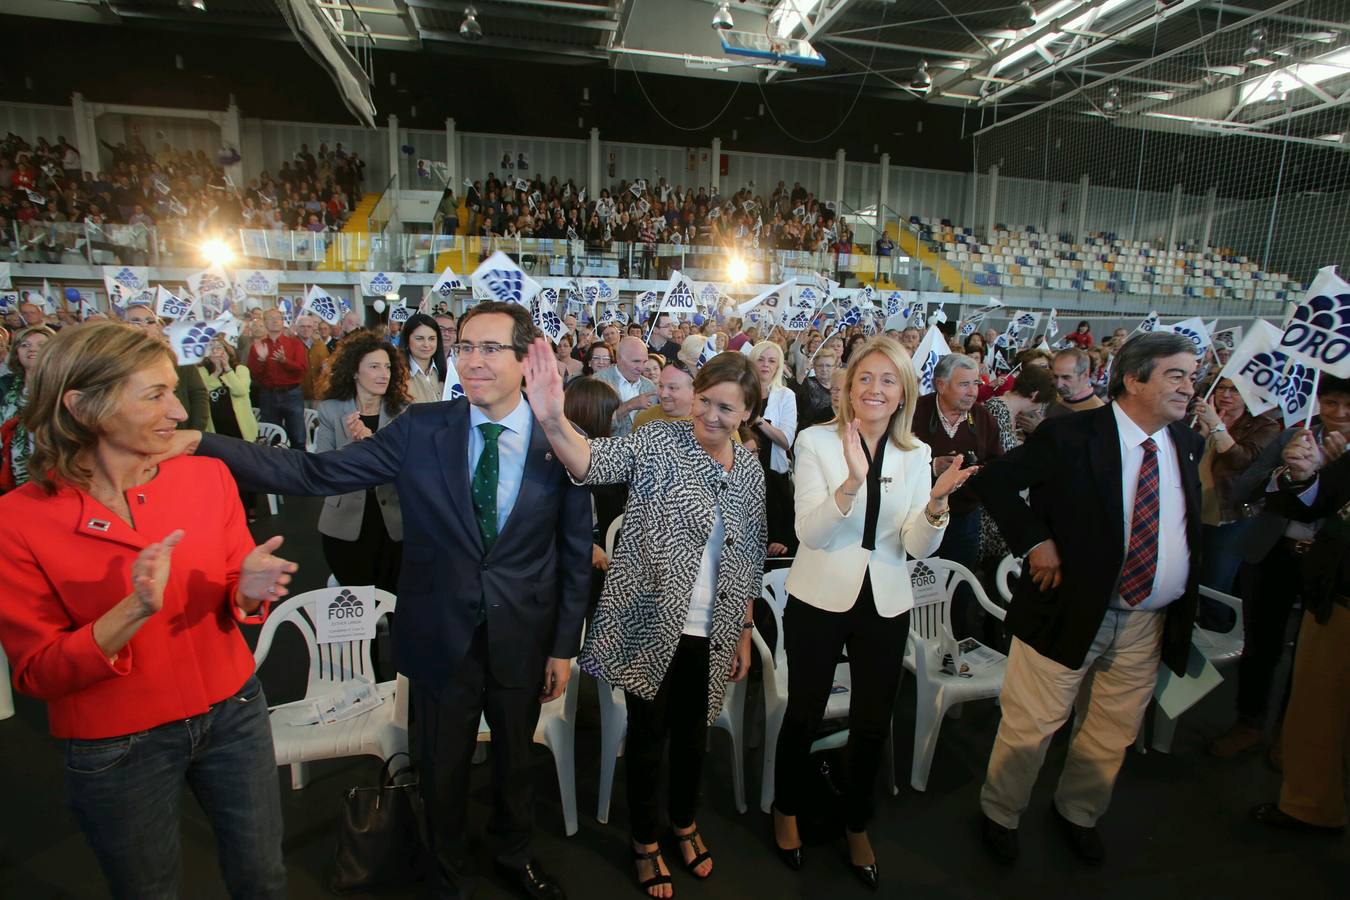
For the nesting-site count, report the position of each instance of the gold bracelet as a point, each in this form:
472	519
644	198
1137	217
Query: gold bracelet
938	521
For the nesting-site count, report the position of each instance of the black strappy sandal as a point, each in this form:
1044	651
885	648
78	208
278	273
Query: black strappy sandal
654	857
699	858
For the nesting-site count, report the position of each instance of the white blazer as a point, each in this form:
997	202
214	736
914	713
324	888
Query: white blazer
828	570
781	412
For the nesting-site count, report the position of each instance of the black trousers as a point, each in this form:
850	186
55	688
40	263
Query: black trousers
814	639
678	717
1268	590
446	725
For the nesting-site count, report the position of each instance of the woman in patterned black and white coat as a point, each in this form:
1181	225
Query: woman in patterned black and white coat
673	622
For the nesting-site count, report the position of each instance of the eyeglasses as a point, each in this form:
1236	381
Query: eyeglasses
488	349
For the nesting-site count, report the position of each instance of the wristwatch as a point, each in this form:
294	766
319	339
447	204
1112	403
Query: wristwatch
1220	428
939	521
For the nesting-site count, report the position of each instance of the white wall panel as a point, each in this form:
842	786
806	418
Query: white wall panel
482	153
651	162
31	121
280	141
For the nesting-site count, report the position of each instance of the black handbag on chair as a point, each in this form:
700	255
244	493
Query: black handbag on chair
379	840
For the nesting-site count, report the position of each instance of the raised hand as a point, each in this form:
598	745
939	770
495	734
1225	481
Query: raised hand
150	573
854	455
1333	445
543	384
356	429
951	479
263	576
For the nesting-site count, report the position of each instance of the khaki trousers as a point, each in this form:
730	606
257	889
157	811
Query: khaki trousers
1318	722
1110	692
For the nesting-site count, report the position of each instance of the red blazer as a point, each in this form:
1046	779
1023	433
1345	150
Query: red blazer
67	560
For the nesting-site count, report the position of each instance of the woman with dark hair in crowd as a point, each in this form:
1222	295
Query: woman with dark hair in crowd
599	356
853	342
974	346
121	587
1081	336
15	444
424	357
570	369
589	404
366	387
673	624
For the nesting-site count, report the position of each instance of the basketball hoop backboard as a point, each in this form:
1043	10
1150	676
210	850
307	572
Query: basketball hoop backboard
759	45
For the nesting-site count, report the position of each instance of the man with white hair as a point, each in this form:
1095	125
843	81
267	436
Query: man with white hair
625	376
316	357
349	322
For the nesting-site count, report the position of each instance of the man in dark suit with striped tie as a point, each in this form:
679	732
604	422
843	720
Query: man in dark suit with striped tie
1111	536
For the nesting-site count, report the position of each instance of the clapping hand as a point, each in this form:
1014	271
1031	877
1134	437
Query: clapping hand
279	354
264	576
1333	445
150	573
543	384
854	456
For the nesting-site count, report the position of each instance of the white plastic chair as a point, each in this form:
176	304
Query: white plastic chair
311	426
380	732
614	724
272	435
556	730
929	629
1009	570
774	667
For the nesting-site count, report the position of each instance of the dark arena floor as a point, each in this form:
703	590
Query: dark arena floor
1178	825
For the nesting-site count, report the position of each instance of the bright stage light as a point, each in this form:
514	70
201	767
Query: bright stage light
216	252
737	270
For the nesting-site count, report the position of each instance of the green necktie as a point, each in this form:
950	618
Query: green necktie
484	485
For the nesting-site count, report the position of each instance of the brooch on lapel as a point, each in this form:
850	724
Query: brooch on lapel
98	525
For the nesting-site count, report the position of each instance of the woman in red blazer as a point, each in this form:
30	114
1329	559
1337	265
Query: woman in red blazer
120	588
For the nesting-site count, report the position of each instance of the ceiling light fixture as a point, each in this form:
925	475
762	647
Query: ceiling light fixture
921	81
721	19
198	5
469	29
1023	17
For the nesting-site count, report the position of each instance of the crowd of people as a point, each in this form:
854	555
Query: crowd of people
179	198
649	214
1124	474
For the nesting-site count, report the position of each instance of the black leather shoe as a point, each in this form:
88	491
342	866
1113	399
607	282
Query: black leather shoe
534	881
868	875
1270	814
791	857
999	841
1086	843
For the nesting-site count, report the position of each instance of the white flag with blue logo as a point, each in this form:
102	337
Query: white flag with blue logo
133	280
1052	324
613	313
453	389
88	307
931	349
1150	323
771	301
257	282
939	316
320	304
171	306
210	282
50	305
679	299
399	313
500	279
381	284
447	284
808	293
915	314
1195	331
546	317
1267	377
643	304
709	350
893	304
1318	333
191	340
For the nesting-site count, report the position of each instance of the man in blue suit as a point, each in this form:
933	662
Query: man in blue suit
495	580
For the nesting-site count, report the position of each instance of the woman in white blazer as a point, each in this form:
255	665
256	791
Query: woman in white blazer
865	503
775	427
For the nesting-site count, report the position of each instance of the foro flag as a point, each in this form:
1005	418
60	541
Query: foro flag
500	279
1195	331
679	299
322	305
191	340
1267	377
1318	333
931	349
773	300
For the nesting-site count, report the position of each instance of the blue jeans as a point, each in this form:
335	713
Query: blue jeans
126	793
285	407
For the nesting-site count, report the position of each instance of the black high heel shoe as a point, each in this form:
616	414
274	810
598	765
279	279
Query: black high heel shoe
791	856
869	875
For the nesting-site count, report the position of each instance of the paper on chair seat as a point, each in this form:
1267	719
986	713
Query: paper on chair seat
354	699
1176	695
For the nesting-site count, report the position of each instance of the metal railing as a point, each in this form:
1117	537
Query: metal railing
75	243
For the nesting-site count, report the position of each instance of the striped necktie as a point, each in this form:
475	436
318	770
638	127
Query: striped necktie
1141	558
484	485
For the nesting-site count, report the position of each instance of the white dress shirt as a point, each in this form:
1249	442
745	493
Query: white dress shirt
511	446
1174	554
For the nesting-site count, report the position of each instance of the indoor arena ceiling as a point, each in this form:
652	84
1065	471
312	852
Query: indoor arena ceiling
995	55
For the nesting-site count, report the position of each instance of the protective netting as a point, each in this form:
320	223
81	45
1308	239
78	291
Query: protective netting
1218	168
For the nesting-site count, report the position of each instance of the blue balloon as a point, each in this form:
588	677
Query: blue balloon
698	318
73	295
